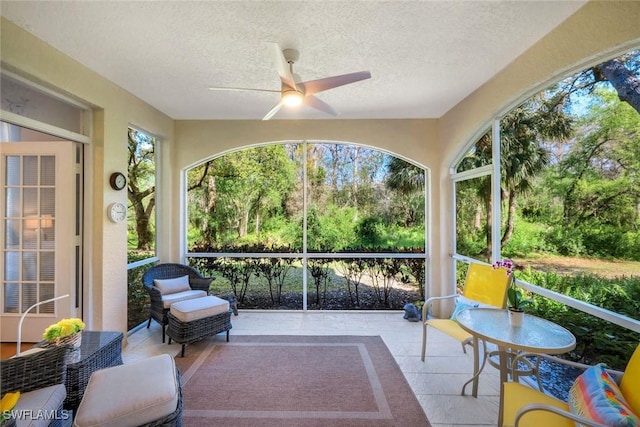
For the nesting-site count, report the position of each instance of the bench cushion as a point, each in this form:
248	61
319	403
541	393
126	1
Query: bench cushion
45	400
172	286
131	394
168	300
193	309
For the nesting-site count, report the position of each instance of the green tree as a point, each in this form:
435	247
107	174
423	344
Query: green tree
623	73
599	179
407	183
523	154
141	186
404	177
239	190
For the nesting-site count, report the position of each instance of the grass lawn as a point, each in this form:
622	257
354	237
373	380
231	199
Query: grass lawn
572	265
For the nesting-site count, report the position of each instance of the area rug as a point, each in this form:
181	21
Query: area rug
309	381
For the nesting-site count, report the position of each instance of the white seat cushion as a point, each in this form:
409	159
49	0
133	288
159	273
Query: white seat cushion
186	311
167	300
39	402
130	395
172	286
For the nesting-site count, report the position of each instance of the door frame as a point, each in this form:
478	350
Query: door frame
65	243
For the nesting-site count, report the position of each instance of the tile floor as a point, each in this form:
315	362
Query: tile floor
436	382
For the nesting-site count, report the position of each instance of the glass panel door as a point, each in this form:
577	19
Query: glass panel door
37	236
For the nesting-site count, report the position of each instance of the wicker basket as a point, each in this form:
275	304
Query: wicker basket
74	340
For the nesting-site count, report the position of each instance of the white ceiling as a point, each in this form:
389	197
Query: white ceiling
424	56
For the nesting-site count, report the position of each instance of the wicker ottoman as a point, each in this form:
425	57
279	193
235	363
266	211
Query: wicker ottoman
198	318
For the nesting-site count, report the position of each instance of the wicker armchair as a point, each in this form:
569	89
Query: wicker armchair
32	371
158	308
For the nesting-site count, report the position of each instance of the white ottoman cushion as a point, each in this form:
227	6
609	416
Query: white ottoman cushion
131	394
199	308
167	300
45	400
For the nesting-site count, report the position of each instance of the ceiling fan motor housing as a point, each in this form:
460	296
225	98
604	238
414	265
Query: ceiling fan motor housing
291	55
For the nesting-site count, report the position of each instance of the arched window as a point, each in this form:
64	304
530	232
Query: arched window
569	211
310	225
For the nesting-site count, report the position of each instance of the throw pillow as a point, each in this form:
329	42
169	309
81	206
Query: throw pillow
172	286
596	396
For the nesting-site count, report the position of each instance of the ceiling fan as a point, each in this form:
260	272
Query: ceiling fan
294	93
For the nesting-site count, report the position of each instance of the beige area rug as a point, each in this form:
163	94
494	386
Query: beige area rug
296	381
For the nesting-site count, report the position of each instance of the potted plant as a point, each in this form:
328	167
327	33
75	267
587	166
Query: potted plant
516	299
66	331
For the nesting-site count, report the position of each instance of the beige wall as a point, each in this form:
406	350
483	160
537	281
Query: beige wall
114	109
415	140
597	29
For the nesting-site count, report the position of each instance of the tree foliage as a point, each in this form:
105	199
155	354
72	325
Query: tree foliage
141	187
255	196
230	196
569	161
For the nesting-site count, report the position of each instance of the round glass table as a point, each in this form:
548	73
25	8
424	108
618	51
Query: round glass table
493	326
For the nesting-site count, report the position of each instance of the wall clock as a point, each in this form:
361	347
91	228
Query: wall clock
118	181
117	212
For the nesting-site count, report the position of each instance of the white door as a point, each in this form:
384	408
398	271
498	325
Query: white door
39	196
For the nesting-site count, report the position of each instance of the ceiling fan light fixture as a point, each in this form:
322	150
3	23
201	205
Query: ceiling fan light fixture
292	98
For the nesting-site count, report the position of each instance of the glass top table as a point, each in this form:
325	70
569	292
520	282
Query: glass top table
533	335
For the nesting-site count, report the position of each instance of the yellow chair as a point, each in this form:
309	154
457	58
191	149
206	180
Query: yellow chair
524	406
484	285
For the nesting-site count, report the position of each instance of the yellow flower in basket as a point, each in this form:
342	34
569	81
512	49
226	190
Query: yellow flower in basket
64	328
8	402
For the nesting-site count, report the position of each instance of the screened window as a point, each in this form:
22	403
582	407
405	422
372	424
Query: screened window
309	225
141	189
354	197
473	201
569	205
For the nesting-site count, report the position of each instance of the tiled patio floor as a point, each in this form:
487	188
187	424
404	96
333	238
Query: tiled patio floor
436	382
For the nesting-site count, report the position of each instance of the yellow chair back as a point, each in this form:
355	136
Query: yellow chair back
629	385
487	285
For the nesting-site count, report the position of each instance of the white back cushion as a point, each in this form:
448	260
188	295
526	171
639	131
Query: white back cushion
172	286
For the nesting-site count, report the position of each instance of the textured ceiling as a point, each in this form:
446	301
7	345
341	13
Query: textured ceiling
424	56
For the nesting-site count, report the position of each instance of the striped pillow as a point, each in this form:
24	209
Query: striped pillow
596	396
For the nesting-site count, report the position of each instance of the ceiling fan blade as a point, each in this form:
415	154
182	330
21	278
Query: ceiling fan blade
319	104
247	89
315	86
283	67
273	111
